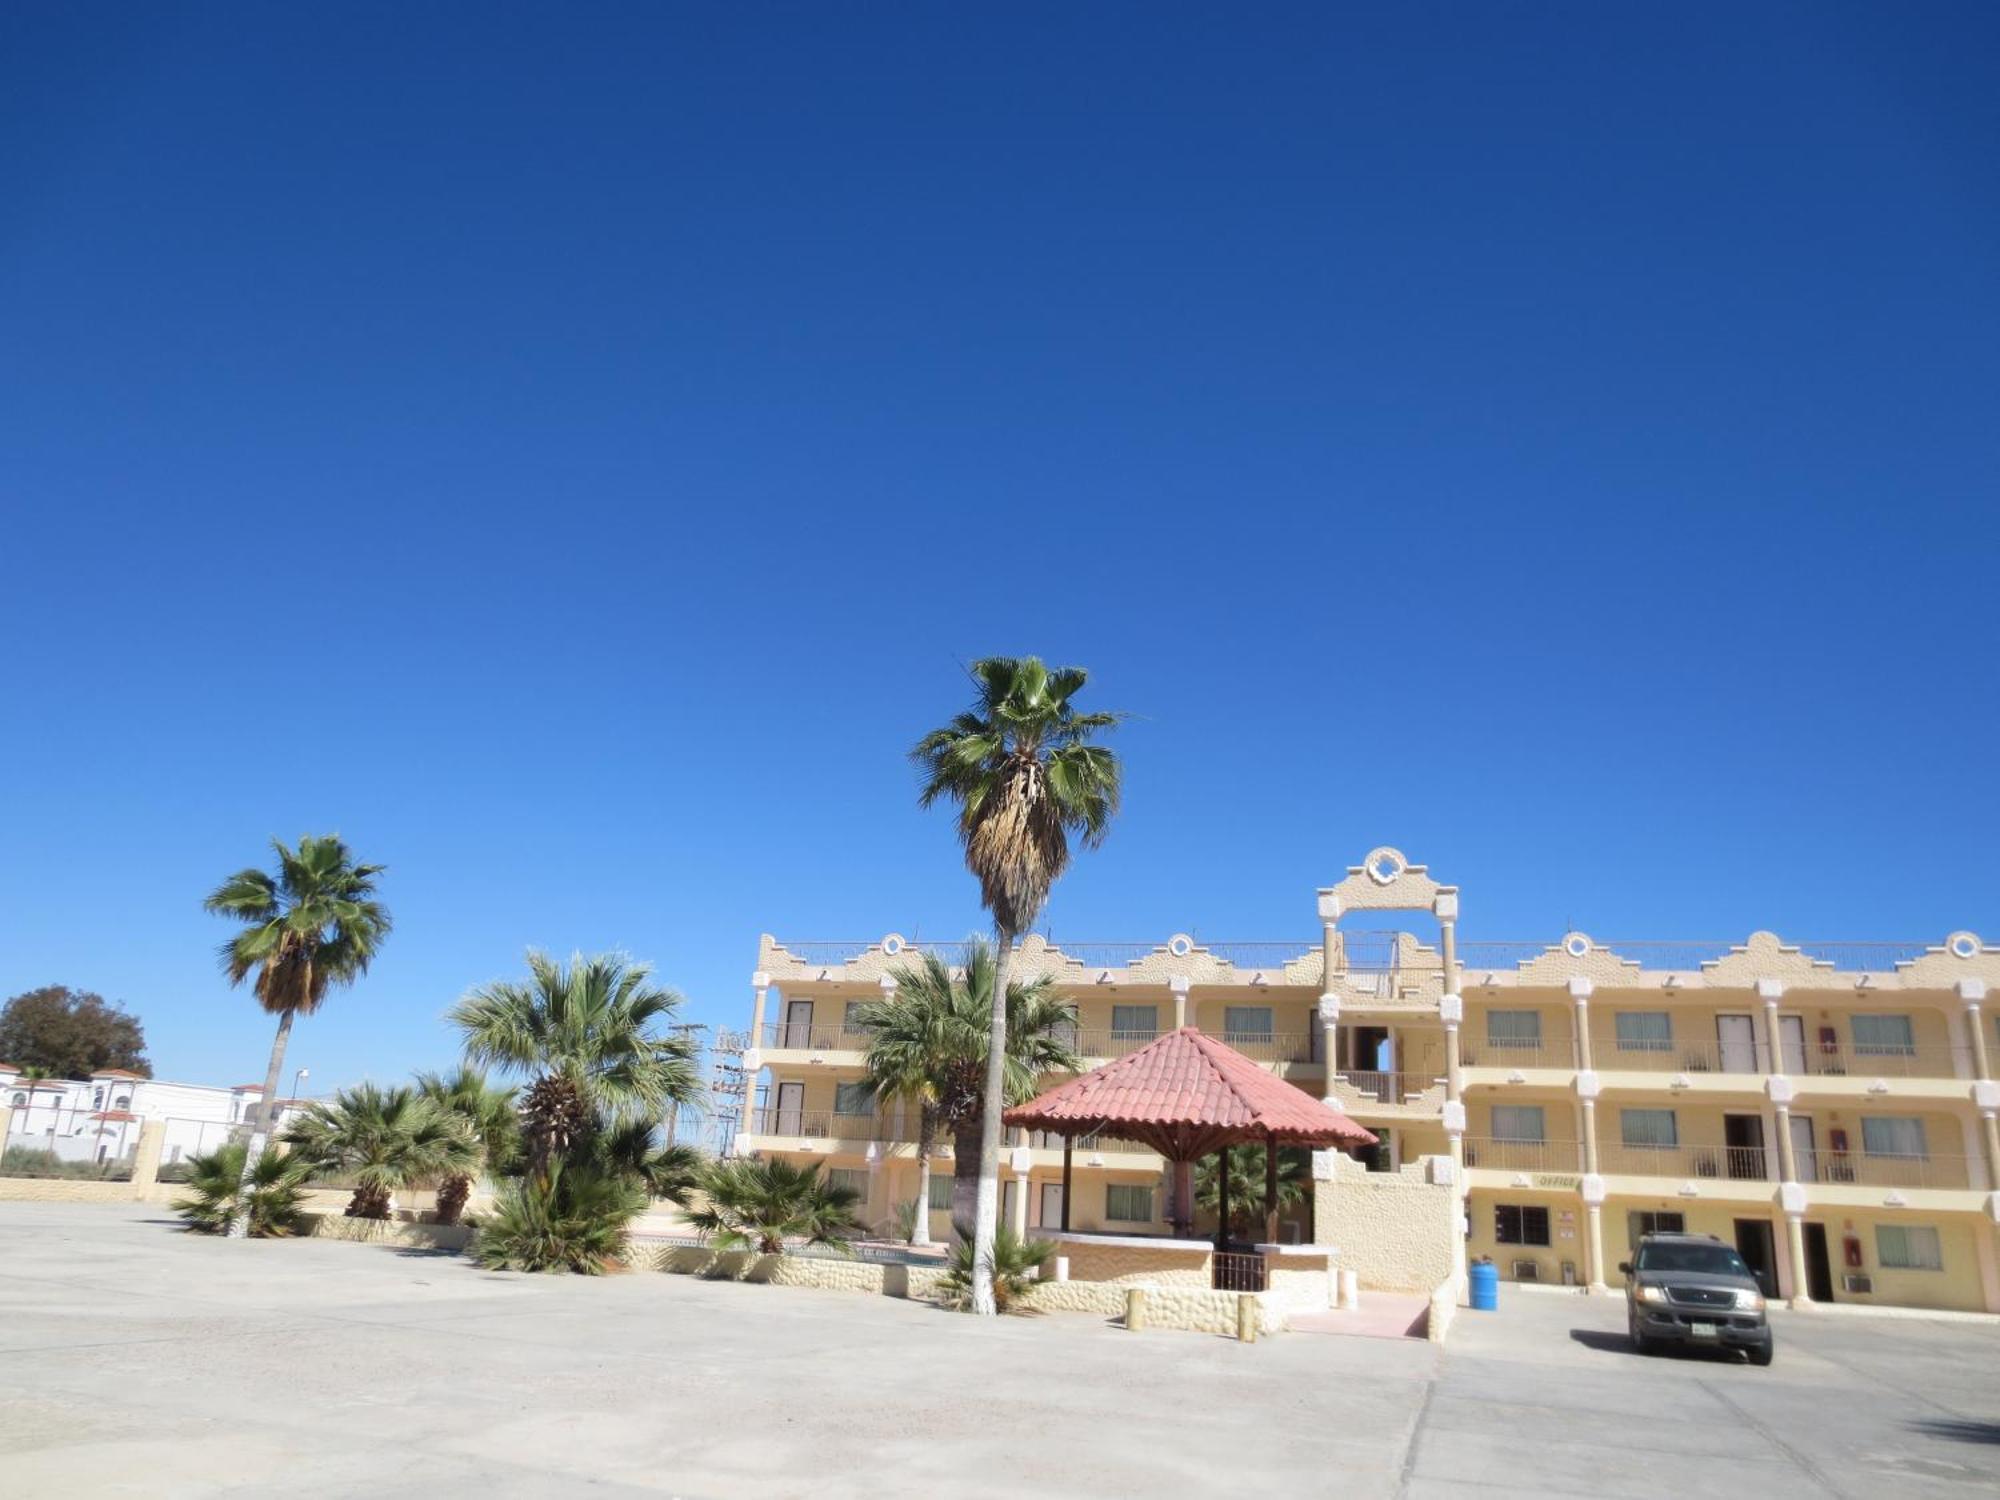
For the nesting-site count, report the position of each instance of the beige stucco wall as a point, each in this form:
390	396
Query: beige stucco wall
1394	1230
335	1226
1128	1265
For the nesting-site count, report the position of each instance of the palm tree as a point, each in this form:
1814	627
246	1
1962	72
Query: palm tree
313	925
1017	1265
761	1204
929	1044
386	1139
488	1115
1246	1185
1021	765
215	1192
573	1217
633	1151
586	1030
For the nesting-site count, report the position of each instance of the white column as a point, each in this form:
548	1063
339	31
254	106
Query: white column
1021	1160
753	1062
1329	1041
1329	998
1178	983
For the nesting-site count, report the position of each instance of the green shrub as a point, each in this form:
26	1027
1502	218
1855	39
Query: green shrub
575	1218
275	1192
35	1161
1017	1264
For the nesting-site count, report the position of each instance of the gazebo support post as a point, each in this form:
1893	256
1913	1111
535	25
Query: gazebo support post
1222	1207
1270	1190
1069	1142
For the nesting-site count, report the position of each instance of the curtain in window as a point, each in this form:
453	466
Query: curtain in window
1517	1122
1884	1036
1890	1135
1135	1023
1908	1247
1127	1203
1246	1023
1644	1031
853	1099
940	1190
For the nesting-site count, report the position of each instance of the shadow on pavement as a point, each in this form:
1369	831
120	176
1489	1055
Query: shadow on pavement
1958	1429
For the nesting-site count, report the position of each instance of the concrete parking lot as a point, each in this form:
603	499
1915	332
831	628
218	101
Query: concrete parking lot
136	1360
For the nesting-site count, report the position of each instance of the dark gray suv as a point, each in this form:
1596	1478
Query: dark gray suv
1693	1289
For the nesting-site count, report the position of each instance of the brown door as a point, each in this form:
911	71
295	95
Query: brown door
1819	1269
1755	1244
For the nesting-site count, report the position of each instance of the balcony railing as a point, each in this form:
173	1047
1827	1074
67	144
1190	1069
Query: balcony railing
1848	1060
1389	1088
1554	1052
1523	1156
1877	1169
1686	1160
1751	1059
1048	1140
805	1036
824	1124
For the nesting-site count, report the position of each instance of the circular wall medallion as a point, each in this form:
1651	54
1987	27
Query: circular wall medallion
1577	945
892	944
1384	865
1963	944
1180	945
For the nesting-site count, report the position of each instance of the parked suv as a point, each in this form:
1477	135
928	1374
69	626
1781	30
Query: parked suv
1693	1289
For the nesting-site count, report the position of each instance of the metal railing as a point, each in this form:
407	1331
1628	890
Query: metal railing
824	1124
1048	1140
1484	1052
1273	1046
1879	1169
1389	1088
808	1036
1523	1156
1687	1160
1233	1271
1750	1059
1848	1060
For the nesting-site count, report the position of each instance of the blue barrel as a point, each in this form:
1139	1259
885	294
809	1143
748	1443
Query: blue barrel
1485	1286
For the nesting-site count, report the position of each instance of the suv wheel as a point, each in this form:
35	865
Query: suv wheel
1640	1343
1761	1355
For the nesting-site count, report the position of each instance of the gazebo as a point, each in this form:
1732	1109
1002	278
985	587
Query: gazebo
1186	1095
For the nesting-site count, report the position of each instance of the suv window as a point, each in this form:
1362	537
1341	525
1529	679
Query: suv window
1704	1260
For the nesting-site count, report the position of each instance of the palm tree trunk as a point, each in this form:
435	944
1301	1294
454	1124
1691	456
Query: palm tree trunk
964	1177
920	1226
451	1196
986	1207
260	1133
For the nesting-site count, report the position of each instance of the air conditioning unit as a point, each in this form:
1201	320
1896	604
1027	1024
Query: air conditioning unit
1861	1286
1527	1270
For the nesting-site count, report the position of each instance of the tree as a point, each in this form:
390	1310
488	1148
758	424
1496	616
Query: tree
588	1032
215	1191
571	1217
758	1205
928	1043
1026	776
487	1113
1017	1265
313	925
1246	1185
387	1140
71	1034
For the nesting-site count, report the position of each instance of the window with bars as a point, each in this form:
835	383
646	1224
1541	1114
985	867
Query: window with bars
1647	1221
1644	1031
1128	1203
1135	1023
1908	1247
1648	1127
1521	1029
1246	1023
1520	1224
1518	1122
1884	1036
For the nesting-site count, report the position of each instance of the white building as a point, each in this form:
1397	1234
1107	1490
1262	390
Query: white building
99	1118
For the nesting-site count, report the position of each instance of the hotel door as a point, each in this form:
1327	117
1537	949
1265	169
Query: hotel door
1737	1036
1755	1244
1819	1270
1792	1045
791	1108
1805	1156
798	1024
1052	1205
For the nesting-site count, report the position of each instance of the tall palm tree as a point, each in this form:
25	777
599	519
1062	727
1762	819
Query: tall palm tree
587	1032
929	1045
487	1112
1246	1185
386	1139
313	925
1022	767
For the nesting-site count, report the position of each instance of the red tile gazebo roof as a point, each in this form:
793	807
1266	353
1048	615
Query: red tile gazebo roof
1186	1095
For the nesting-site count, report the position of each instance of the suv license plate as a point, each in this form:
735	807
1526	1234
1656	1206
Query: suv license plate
1703	1330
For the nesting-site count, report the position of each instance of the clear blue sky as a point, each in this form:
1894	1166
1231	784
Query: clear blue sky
571	454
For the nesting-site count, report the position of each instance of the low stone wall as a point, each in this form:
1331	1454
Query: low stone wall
1396	1229
1146	1262
68	1190
1444	1307
827	1274
388	1231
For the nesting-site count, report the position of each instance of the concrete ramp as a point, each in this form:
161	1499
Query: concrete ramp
1381	1315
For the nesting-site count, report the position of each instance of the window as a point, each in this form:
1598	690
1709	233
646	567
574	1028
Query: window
853	1099
122	1102
1520	1029
97	1099
19	1100
1884	1036
849	1177
1134	1023
1128	1203
1890	1135
1908	1247
1246	1023
1645	1221
1518	1122
940	1192
1519	1224
1644	1031
850	1018
1648	1127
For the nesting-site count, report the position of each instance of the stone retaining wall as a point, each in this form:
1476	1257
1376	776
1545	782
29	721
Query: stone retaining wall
387	1231
1131	1265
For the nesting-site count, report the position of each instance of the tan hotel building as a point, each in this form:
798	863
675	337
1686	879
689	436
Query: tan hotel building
1827	1108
